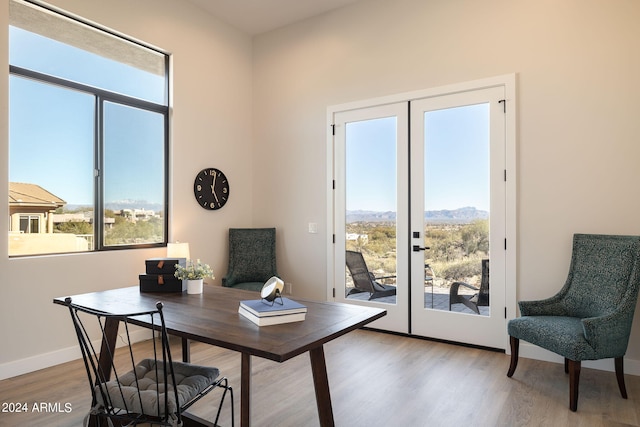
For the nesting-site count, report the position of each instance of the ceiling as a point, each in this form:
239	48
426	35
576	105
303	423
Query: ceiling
259	16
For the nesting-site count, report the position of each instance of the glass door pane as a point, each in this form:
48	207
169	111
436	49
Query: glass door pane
370	219
456	208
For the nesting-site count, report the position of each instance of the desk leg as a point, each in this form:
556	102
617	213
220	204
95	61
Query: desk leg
108	346
186	350
245	390
321	382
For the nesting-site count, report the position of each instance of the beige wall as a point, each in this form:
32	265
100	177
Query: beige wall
211	127
578	71
257	110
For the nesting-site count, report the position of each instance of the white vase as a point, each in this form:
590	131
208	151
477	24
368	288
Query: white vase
194	286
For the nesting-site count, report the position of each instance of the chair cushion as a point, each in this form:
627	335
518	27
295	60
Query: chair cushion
252	256
559	334
190	381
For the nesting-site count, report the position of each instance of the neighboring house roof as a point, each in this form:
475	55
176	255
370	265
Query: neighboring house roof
24	194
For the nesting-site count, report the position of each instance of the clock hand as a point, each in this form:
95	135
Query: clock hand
213	185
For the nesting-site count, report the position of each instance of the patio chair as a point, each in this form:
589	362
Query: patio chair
131	385
590	317
364	281
252	258
479	299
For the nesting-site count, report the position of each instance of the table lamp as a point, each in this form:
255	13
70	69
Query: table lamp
178	250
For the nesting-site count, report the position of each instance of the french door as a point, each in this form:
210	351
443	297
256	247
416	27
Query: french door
372	206
458	226
419	192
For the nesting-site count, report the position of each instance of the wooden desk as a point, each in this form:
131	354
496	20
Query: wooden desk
212	317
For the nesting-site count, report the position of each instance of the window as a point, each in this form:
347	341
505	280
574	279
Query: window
88	139
29	224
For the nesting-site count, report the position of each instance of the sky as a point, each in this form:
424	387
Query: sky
456	161
51	129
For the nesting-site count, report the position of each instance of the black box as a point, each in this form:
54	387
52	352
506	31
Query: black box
163	265
161	283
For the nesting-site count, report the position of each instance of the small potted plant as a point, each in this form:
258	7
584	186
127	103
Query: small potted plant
193	273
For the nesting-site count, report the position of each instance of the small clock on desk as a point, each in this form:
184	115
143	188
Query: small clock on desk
211	188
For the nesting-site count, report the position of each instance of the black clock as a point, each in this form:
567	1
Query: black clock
211	188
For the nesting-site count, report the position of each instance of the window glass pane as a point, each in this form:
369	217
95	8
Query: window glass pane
50	165
24	224
52	44
134	165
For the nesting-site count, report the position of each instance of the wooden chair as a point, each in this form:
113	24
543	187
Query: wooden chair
130	386
479	299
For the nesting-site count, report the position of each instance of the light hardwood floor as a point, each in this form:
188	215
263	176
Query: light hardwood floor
376	379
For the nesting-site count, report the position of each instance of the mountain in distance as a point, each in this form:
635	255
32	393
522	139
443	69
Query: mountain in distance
460	215
122	204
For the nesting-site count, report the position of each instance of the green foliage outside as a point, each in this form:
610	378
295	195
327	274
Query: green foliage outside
456	250
125	232
72	227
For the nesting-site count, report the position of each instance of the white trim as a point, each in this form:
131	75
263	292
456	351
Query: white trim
507	80
47	360
530	351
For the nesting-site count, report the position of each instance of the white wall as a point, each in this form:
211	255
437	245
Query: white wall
578	68
211	127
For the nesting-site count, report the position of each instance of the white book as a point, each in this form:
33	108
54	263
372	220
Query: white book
261	309
272	320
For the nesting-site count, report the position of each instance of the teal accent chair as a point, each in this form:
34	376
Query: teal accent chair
590	317
252	258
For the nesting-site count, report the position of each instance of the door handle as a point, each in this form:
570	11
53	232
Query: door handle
417	248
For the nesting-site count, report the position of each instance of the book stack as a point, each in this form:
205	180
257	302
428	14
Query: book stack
263	313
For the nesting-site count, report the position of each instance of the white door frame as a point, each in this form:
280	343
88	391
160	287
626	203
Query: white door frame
509	83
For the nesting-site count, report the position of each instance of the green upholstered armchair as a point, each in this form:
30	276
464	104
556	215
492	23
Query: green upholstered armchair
252	258
590	318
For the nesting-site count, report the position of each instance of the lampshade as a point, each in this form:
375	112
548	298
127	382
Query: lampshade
178	250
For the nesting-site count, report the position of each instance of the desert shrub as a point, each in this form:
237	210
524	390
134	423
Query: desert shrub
461	269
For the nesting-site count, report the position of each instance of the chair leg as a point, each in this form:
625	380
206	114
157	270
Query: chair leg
515	345
566	365
620	376
224	384
574	380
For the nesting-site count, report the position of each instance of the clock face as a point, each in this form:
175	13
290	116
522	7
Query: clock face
211	189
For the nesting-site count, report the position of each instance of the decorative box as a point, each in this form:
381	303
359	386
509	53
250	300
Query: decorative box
160	277
161	283
163	265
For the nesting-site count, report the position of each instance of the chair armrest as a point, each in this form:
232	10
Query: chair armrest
384	277
609	334
546	307
453	290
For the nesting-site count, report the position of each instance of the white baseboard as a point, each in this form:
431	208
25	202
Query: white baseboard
530	351
47	360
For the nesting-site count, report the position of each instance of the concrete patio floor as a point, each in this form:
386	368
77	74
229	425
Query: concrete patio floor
435	297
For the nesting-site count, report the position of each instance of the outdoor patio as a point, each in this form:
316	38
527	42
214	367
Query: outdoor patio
435	297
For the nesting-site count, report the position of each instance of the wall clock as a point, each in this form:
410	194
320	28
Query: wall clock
211	188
